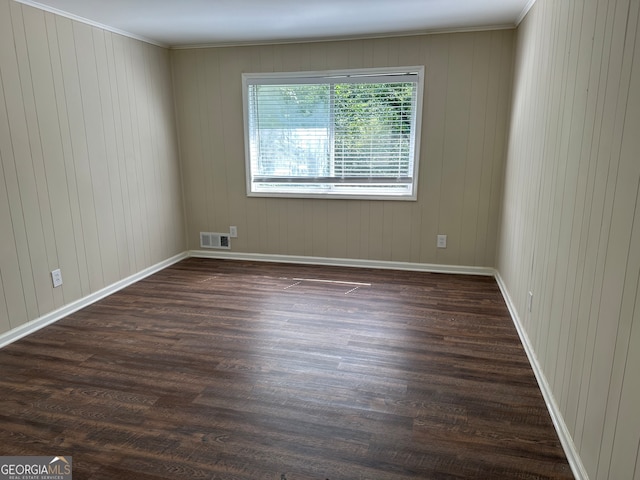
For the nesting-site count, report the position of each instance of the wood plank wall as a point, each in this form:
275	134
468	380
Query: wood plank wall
466	111
570	230
89	172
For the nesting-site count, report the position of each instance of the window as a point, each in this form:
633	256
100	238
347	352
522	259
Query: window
337	134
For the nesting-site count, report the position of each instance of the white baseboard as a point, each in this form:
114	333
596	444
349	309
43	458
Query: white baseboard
573	457
49	318
344	262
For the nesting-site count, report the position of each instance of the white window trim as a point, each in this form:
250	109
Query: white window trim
310	77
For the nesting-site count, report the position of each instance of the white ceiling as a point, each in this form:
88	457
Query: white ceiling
219	22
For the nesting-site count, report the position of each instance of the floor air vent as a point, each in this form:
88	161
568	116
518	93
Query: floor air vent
214	240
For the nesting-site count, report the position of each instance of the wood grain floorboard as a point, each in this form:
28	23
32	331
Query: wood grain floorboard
214	369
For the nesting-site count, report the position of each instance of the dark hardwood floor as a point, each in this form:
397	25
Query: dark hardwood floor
239	370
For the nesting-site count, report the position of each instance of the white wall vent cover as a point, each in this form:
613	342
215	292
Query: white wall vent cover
214	240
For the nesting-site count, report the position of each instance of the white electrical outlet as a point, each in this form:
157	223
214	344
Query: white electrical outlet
233	232
442	241
530	302
56	278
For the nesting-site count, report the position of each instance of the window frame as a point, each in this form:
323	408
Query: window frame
306	77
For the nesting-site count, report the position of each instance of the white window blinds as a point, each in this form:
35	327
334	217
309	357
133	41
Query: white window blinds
336	134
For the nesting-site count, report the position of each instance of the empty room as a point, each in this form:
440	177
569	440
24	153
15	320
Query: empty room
319	240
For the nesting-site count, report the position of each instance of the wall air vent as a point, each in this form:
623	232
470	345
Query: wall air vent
214	240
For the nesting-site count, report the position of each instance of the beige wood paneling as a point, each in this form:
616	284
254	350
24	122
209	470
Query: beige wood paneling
15	147
28	165
14	292
466	110
569	227
90	177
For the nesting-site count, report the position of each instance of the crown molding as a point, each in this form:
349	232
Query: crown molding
524	11
71	16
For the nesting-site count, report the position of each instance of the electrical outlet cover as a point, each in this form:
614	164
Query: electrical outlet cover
56	278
